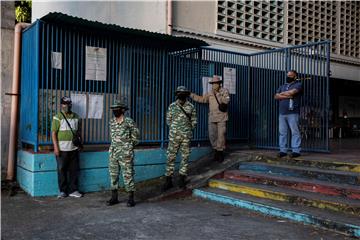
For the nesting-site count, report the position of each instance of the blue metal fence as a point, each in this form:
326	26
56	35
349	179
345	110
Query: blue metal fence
30	54
213	63
268	72
147	77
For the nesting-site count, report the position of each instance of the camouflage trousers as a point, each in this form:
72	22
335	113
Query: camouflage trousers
123	159
178	141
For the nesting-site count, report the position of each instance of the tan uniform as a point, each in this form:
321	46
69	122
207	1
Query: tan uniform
217	119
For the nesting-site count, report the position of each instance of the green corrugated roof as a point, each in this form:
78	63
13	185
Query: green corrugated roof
134	35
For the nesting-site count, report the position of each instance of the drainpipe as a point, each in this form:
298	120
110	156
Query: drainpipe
15	101
169	17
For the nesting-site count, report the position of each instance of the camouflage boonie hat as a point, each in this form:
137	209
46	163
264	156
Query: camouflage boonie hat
118	104
215	79
182	90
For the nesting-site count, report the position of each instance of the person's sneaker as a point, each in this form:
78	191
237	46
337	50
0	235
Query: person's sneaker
281	154
75	194
295	155
61	195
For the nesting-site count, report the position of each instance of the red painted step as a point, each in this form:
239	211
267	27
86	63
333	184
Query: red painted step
295	183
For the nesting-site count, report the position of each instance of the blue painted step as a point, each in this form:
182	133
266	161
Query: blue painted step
342	223
340	177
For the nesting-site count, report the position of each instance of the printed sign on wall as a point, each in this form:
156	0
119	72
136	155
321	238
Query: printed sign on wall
230	79
205	84
56	60
96	106
79	104
95	63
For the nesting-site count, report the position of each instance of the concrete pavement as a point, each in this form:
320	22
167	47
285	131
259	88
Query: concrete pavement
24	217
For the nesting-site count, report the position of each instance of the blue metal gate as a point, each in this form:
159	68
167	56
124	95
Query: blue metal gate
147	78
268	72
189	66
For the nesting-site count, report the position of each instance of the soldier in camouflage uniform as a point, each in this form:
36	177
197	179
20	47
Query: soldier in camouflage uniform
181	119
124	136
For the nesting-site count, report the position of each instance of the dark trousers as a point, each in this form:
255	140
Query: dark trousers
68	164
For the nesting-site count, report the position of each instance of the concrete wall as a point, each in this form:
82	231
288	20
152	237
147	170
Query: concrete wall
6	62
37	174
195	15
147	15
345	71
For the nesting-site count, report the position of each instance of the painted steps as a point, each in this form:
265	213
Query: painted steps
322	164
321	193
308	185
341	177
296	197
336	222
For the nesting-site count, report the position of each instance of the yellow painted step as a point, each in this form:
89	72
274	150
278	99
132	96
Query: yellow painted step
248	189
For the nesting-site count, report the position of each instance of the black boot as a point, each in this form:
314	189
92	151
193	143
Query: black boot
114	198
168	183
131	202
216	156
182	181
220	156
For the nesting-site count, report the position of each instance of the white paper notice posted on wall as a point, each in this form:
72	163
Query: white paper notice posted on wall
230	79
95	63
205	85
96	106
79	104
56	60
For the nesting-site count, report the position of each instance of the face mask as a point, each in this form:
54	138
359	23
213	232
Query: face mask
290	79
215	86
118	112
66	108
181	97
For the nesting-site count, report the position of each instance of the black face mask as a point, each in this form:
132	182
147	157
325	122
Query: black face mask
67	108
290	79
182	97
118	112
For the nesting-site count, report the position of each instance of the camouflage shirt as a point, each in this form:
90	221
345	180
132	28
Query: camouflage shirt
125	133
177	120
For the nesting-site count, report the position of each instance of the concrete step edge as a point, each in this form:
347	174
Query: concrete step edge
328	224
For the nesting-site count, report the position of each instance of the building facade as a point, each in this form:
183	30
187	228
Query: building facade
253	25
245	26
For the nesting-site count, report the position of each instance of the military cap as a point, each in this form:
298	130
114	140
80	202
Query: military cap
182	90
117	104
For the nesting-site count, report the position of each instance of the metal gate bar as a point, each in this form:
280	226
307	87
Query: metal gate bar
147	79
